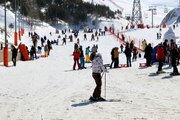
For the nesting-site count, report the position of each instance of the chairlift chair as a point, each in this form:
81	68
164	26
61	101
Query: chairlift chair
154	12
145	15
165	10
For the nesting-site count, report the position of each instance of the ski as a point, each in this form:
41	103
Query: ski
107	100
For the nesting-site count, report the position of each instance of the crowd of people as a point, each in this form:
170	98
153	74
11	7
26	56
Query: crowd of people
166	53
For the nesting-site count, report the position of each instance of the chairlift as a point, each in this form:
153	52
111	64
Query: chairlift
165	10
145	15
154	12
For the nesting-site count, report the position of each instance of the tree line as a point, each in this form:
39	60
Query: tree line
71	11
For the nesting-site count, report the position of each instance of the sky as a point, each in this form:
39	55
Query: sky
48	88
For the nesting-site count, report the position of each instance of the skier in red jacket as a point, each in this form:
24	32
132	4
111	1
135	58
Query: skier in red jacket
160	57
76	55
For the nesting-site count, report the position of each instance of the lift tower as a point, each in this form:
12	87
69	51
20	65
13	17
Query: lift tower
136	13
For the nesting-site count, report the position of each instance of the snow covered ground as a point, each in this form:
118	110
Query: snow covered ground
48	88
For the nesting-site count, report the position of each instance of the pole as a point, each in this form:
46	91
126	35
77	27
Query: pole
152	9
105	85
15	33
5	22
6	42
19	18
152	17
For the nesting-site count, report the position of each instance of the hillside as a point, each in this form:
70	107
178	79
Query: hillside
127	5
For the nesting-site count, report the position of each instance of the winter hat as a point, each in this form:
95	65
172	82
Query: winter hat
98	55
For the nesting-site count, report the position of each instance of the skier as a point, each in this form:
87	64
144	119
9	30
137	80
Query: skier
46	50
76	55
92	37
135	52
147	55
131	45
166	51
64	41
112	57
160	57
174	56
97	68
42	42
33	53
116	57
128	55
49	46
87	54
85	37
71	38
123	37
82	63
121	46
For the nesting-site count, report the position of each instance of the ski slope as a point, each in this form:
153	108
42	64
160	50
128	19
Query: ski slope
48	88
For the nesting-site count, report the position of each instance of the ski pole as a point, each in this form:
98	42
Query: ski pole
105	86
102	74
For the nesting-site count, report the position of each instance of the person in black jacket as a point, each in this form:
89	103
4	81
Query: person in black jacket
128	55
174	56
147	55
112	57
82	62
14	54
49	46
